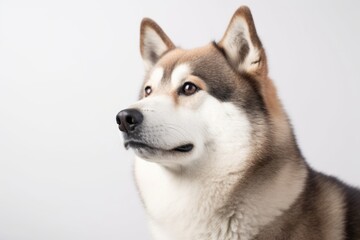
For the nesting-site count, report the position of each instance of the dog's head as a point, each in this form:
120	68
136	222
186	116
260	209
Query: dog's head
209	101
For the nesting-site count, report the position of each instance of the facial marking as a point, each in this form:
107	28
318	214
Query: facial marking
179	74
156	76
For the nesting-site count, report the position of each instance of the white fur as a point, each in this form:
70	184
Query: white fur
155	77
167	127
239	29
181	204
179	74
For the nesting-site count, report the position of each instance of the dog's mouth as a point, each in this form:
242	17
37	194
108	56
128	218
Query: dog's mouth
140	145
184	148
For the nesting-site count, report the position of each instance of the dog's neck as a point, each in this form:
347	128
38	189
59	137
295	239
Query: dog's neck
207	200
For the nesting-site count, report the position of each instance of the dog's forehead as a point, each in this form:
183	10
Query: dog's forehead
175	65
207	63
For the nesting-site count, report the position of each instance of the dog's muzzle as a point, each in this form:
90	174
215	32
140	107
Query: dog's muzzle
129	122
129	119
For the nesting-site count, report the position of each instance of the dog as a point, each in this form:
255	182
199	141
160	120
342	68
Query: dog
215	155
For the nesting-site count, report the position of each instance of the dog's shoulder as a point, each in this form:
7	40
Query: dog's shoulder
352	197
350	203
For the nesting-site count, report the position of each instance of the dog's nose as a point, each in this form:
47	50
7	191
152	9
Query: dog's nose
129	119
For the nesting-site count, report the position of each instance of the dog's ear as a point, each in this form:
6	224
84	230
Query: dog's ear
153	42
242	45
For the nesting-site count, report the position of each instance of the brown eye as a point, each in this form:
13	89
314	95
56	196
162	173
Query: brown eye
148	91
189	89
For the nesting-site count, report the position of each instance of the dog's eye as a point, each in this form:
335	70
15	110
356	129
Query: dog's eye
189	89
148	91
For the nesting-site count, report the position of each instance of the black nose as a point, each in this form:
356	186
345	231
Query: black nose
129	119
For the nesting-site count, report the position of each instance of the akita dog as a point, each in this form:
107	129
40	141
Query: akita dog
216	157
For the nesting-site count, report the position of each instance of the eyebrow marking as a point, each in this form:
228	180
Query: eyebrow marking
156	76
179	73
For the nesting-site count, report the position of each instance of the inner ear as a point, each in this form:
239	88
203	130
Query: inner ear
242	44
153	42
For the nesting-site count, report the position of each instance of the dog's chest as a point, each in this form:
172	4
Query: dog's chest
184	210
170	204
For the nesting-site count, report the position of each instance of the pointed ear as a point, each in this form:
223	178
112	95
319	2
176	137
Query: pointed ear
153	42
242	45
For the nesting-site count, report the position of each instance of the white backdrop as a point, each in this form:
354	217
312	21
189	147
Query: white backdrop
67	67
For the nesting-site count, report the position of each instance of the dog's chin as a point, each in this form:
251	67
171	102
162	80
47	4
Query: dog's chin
149	152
